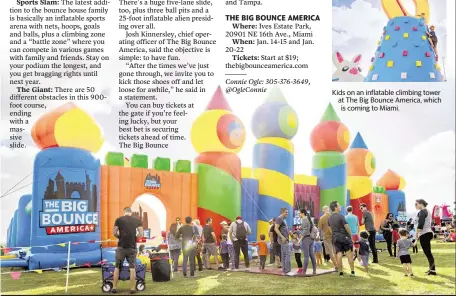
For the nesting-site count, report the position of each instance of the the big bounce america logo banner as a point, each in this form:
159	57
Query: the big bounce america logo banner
69	207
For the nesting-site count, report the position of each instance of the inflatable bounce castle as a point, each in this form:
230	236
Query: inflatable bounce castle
404	52
442	214
75	199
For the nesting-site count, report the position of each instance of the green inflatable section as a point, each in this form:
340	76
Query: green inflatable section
114	158
327	159
379	189
182	166
162	164
330	114
215	188
139	161
329	195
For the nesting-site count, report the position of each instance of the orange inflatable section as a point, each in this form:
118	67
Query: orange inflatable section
120	186
380	208
390	180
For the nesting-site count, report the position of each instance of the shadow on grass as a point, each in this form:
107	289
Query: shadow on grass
448	277
394	267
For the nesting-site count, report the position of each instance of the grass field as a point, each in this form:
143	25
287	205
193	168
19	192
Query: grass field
385	278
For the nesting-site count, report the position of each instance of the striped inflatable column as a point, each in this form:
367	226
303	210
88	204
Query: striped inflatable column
329	139
217	135
360	166
274	124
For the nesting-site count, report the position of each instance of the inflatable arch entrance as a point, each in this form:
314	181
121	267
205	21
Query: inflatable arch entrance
121	186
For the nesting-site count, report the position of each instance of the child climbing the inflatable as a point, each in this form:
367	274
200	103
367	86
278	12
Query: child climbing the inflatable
430	31
433	40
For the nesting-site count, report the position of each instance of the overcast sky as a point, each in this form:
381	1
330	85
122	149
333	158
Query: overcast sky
417	143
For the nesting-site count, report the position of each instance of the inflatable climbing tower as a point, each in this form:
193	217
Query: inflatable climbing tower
404	53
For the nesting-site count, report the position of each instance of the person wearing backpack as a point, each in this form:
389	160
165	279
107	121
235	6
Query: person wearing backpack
239	232
309	233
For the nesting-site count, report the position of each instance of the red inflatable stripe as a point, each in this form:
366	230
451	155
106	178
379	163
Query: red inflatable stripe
203	214
402	8
355	203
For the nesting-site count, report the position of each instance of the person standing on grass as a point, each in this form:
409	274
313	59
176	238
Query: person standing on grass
364	250
210	244
275	245
353	223
178	223
341	235
240	231
283	237
327	236
229	242
396	237
188	233
368	221
308	234
296	240
387	227
271	232
403	245
198	226
424	233
174	245
262	250
223	250
125	229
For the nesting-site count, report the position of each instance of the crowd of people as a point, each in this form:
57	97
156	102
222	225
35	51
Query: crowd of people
331	237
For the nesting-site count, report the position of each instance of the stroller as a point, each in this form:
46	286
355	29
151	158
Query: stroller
107	272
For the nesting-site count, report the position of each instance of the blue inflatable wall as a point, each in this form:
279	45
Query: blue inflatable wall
8	234
23	222
343	210
249	206
14	230
396	202
66	206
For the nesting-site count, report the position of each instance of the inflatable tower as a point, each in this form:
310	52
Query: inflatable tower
404	53
329	139
66	195
360	166
274	124
393	183
217	135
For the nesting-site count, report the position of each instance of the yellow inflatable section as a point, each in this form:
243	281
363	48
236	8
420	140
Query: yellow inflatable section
77	129
263	228
282	187
246	172
7	257
395	8
359	186
305	180
402	184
